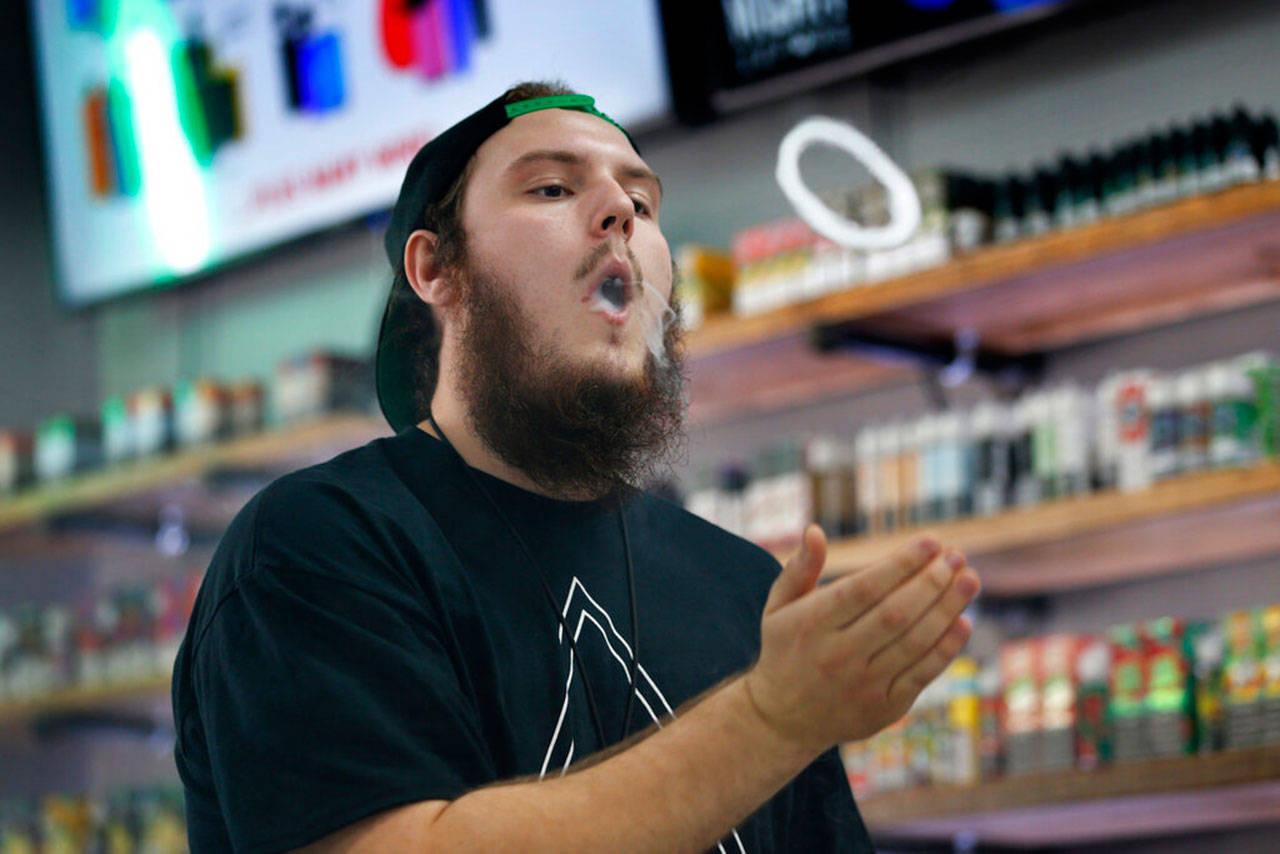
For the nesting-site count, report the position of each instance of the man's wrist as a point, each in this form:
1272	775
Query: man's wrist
788	748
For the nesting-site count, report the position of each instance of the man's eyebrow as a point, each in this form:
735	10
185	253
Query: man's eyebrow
558	155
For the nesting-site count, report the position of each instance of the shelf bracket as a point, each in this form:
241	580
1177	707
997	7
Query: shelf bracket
945	363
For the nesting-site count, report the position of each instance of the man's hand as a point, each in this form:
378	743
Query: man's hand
841	662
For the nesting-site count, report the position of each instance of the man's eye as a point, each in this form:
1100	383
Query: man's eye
641	207
552	191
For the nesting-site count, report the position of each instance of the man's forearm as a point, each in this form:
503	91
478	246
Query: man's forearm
681	789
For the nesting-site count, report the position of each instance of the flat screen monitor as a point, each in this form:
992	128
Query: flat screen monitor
725	54
182	134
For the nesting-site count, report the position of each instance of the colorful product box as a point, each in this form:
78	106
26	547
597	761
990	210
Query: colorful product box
1093	726
1019	674
1242	680
1127	707
1058	654
1170	694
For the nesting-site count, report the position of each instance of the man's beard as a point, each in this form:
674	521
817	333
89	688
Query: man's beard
576	432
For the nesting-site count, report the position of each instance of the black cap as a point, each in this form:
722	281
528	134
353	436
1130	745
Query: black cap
430	175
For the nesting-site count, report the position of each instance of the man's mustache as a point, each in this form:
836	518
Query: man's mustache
603	250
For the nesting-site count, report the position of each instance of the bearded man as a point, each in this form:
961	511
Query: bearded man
480	634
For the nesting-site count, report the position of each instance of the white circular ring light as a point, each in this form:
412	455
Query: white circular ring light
904	202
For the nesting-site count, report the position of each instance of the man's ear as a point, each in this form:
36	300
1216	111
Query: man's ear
423	271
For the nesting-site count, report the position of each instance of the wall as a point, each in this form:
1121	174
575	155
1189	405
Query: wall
1071	88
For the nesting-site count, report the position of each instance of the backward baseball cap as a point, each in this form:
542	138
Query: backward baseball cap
431	173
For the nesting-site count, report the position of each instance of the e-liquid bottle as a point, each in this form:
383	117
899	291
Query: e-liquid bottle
1193	430
1131	415
908	474
824	484
1232	432
1164	168
1166	423
1184	155
1069	412
1026	487
1208	162
927	502
951	464
1064	202
989	430
1037	204
1119	194
1088	189
1044	441
1144	174
867	467
889	455
1008	209
1266	147
1237	157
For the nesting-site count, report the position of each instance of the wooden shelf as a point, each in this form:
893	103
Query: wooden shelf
1151	798
1194	257
308	441
1193	520
82	699
1248	216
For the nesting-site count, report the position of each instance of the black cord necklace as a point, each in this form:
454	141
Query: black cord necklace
551	599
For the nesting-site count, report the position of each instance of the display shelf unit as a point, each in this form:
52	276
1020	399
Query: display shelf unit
1150	798
276	448
1191	258
1193	520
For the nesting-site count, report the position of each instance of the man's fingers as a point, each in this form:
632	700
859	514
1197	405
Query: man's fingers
894	654
908	684
846	599
800	573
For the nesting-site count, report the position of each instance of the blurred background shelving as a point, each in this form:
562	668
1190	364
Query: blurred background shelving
1166	287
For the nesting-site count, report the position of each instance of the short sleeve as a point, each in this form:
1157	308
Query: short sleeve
323	703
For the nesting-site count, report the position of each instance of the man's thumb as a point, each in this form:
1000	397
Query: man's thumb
800	573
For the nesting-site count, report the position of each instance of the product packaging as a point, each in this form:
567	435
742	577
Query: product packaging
118	443
1019	674
990	723
1264	370
310	386
1234	439
1170	695
866	453
1166	426
201	412
1024	481
1196	413
248	412
1242	680
1269	618
1058	700
706	283
1093	726
960	761
1069	409
991	442
888	457
17	461
1208	649
1131	417
1128	694
151	417
64	447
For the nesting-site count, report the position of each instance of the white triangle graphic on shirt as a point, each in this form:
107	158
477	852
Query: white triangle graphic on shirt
579	611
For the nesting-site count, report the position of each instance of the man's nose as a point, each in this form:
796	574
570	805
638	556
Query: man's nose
618	216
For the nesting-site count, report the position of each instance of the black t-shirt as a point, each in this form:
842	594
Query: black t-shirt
370	634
